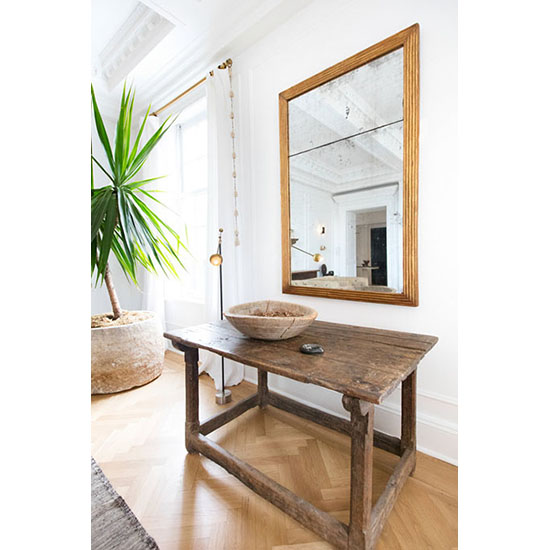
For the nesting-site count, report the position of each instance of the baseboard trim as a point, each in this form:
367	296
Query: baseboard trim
439	424
439	456
438	397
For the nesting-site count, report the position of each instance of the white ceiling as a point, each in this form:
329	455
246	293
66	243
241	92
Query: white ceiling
161	46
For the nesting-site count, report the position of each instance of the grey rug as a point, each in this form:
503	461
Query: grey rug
114	526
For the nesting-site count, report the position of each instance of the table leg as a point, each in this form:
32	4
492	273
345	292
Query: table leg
408	415
362	445
191	396
262	388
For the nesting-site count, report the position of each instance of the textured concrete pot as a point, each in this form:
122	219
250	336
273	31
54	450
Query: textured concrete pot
126	356
260	320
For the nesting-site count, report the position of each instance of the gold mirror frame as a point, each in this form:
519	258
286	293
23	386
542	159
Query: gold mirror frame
408	40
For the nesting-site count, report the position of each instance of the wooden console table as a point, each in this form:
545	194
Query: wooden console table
363	364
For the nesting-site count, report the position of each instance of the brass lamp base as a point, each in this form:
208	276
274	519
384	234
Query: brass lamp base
223	398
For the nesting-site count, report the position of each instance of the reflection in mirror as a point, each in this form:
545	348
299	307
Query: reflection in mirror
346	180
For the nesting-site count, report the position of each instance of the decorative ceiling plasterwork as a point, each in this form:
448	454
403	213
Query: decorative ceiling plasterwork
140	33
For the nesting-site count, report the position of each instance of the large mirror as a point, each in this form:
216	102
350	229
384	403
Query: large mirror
349	159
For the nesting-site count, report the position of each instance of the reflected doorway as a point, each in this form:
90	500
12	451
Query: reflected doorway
371	246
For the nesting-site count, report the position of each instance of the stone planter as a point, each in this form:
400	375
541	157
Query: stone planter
126	356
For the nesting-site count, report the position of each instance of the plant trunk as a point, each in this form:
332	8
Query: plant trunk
117	311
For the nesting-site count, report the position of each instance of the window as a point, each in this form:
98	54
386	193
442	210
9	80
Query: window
191	200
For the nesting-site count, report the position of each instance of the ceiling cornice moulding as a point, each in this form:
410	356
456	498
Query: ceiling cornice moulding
138	35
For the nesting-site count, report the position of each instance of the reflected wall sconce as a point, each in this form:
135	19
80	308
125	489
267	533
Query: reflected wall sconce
223	396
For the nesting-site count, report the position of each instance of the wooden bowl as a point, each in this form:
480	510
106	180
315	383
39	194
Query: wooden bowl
270	319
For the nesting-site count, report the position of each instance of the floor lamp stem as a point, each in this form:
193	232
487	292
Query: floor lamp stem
221	315
225	395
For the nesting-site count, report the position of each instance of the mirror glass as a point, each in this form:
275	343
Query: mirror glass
345	143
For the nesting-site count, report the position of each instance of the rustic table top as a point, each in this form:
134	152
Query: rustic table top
360	362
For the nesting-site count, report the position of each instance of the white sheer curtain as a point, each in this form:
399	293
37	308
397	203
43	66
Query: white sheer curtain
161	162
164	160
153	286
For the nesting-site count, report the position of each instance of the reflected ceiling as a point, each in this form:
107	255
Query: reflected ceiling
348	132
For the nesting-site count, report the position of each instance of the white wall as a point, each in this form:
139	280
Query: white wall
310	209
324	33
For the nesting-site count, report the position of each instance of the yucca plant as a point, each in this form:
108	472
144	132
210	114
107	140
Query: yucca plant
123	221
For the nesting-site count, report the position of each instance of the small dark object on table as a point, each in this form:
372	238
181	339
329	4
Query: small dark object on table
311	349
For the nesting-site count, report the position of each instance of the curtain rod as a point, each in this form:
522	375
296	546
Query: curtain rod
227	63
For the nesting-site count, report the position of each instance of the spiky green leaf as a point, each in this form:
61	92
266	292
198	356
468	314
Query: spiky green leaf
123	223
101	132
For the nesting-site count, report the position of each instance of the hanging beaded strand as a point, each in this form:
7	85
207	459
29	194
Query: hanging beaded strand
234	154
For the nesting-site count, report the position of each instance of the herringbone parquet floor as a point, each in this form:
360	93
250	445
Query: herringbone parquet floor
188	502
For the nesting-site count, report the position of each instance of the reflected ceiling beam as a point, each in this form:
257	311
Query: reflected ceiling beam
332	120
356	120
391	139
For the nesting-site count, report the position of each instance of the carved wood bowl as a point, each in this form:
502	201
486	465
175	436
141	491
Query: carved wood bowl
270	319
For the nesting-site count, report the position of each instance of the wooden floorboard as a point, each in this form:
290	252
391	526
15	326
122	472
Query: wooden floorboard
188	502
